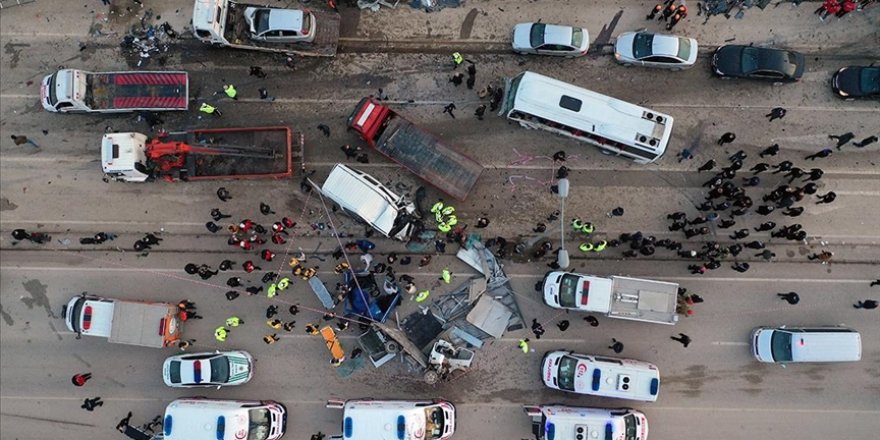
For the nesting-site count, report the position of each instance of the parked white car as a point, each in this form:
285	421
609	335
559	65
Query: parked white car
655	50
275	25
212	369
550	39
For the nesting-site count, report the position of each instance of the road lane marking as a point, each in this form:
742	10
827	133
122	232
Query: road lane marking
523	276
42	419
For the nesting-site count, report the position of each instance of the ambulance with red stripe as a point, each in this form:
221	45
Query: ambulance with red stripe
78	91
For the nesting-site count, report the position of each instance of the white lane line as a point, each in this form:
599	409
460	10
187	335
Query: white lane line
106	222
488	405
523	276
866	109
736	343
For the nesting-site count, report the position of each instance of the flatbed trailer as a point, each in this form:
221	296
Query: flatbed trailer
222	22
417	150
72	91
202	154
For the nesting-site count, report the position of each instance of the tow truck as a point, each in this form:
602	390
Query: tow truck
201	154
79	91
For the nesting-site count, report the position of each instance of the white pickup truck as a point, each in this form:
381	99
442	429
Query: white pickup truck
616	297
123	322
228	23
78	91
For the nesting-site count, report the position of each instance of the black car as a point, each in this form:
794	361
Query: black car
758	62
857	82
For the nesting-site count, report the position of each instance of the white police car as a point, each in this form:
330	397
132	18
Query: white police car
219	368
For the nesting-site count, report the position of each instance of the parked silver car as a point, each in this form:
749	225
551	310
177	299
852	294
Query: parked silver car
655	50
274	25
550	39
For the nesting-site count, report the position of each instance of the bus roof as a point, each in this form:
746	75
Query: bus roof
588	111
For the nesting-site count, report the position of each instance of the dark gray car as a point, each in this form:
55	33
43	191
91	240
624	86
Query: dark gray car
758	62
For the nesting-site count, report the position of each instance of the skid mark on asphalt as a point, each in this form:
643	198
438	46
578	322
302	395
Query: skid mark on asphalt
42	419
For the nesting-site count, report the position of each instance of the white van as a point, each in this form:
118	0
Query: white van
197	418
806	344
601	376
362	196
559	422
367	419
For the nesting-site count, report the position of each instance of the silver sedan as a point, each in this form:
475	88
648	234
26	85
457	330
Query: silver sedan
655	50
550	39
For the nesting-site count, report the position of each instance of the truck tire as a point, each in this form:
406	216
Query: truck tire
392	347
431	377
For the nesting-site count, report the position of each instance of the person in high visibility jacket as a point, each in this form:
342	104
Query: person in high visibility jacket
448	210
209	109
587	228
230	91
524	345
577	224
220	333
274	323
234	321
446	275
586	247
452	220
272	290
437	207
283	283
443	227
600	246
423	295
312	329
457	59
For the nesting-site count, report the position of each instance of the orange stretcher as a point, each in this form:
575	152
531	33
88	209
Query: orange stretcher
333	343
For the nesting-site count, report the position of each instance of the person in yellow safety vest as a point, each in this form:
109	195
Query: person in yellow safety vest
220	333
443	227
423	295
587	228
274	323
312	329
341	267
524	345
230	91
586	247
446	275
600	246
448	210
272	290
293	262
577	224
209	109
452	220
234	321
457	59
283	283
438	207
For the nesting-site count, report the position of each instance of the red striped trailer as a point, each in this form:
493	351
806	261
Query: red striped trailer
78	91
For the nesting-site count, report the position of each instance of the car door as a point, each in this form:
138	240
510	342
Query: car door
555	50
663	62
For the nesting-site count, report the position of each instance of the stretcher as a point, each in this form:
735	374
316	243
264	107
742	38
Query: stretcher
333	343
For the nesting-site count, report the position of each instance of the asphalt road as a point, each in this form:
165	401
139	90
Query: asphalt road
712	389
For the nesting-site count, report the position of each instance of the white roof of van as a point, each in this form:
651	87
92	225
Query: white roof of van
198	420
567	419
837	346
345	187
102	318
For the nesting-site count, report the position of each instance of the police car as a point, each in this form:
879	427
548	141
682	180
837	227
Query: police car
208	369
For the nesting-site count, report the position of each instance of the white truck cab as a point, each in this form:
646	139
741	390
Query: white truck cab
89	315
559	422
124	158
367	419
209	20
63	91
601	376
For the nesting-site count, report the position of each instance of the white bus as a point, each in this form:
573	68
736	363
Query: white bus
615	126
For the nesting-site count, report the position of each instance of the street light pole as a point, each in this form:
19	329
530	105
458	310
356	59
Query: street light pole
562	257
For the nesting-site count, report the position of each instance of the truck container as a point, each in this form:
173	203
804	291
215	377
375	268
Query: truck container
417	150
616	297
201	154
78	91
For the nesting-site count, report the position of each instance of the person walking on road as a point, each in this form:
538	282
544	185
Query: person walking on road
563	325
791	297
80	379
616	345
524	345
824	257
230	91
820	155
537	329
776	113
91	404
20	140
741	267
869	304
708	166
684	339
769	151
449	109
223	194
842	139
594	322
727	138
865	142
827	198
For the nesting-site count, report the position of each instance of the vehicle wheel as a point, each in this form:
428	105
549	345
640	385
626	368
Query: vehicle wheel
431	377
606	152
627	65
392	347
569	57
521	53
676	69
